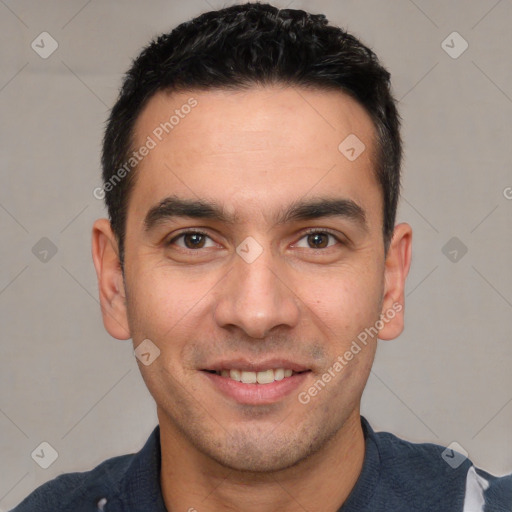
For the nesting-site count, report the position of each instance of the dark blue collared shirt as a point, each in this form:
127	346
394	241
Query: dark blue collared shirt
397	476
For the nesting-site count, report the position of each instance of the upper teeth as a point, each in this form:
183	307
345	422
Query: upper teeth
265	377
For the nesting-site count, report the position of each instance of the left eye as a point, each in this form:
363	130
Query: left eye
317	240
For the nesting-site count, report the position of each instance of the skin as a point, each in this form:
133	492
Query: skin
255	152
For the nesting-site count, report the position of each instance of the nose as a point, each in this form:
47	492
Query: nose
257	297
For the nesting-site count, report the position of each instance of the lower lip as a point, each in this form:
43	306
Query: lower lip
257	394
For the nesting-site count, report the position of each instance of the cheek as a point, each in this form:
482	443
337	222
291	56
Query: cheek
172	309
167	311
158	302
345	300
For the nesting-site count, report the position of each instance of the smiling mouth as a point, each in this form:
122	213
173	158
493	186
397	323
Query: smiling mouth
262	377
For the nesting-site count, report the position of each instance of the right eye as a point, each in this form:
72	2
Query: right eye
191	240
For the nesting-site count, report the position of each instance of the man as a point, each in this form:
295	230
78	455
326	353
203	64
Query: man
251	170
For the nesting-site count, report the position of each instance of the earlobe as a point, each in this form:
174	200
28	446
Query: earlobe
397	265
110	280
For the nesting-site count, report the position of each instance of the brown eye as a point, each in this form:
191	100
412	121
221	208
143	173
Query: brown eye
192	240
318	240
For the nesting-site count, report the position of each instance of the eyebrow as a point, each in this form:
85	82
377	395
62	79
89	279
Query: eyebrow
175	207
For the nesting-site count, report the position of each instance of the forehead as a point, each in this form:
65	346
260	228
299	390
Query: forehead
278	142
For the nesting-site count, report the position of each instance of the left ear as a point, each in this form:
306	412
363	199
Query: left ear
398	262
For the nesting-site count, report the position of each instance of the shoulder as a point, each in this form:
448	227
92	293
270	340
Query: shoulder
435	477
431	472
490	493
79	492
126	482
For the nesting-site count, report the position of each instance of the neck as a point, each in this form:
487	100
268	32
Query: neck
192	480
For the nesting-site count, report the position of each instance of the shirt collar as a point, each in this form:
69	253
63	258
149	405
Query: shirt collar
140	485
368	479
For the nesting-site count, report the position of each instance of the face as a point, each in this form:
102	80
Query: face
254	245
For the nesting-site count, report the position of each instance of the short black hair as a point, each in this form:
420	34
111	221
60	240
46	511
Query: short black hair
239	47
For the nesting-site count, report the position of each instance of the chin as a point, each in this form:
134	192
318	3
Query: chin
256	461
264	452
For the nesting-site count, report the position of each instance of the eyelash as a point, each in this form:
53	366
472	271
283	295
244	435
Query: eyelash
310	231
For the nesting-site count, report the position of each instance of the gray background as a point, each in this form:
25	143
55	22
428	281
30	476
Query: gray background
64	380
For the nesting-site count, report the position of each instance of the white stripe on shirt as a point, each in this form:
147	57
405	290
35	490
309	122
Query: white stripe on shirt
474	500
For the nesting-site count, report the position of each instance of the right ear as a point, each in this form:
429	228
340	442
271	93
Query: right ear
105	254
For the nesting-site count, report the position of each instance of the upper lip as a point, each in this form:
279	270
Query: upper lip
252	366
